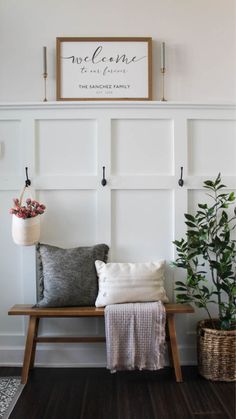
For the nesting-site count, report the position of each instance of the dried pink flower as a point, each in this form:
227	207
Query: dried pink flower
32	209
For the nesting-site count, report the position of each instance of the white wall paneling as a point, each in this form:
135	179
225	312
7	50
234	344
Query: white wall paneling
138	213
148	141
74	211
62	138
205	137
10	142
11	280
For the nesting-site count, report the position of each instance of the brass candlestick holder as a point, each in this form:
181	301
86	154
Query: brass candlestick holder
163	70
45	76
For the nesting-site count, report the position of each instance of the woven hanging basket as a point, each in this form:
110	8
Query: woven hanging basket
216	351
25	232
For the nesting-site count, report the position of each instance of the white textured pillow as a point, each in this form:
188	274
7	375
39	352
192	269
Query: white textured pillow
130	282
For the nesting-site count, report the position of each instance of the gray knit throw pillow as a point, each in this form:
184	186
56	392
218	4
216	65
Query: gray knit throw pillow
67	277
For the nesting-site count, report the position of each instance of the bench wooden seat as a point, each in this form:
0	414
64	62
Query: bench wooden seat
35	314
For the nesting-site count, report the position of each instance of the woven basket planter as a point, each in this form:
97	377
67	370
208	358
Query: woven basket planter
216	351
25	232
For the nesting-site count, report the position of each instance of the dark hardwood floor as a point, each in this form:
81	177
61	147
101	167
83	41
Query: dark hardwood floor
90	393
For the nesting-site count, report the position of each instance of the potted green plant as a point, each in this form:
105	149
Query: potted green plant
208	255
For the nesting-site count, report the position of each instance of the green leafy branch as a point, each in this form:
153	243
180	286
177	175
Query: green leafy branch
208	247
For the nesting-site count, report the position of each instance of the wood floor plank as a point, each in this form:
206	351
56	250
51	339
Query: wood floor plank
100	397
89	393
133	398
226	393
33	401
211	416
72	395
51	395
201	399
167	400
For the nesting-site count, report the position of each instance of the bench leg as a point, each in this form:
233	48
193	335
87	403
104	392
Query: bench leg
168	345
174	347
34	343
30	348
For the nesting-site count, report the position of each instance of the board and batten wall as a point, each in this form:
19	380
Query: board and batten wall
138	213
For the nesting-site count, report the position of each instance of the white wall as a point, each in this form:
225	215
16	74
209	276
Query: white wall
199	35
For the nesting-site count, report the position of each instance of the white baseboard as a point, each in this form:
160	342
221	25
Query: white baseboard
84	356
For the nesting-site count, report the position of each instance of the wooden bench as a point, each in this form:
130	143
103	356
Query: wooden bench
35	314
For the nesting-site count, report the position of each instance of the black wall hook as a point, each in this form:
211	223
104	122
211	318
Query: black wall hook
181	182
103	182
27	181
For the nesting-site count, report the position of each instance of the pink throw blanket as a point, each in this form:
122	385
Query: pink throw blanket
135	336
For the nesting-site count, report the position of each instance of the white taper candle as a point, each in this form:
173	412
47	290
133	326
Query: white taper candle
163	55
45	60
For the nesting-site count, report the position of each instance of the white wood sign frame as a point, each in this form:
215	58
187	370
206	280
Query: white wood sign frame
104	68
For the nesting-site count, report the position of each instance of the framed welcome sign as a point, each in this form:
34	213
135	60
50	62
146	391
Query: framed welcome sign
104	68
